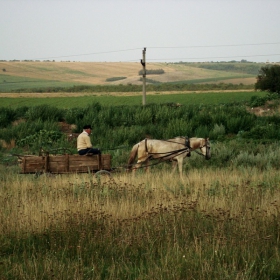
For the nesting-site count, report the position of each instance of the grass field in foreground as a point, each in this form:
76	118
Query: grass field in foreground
216	224
108	100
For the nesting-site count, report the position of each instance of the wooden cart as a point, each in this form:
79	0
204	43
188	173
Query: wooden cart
60	164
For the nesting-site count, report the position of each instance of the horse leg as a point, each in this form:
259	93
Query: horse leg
180	166
147	165
174	164
140	162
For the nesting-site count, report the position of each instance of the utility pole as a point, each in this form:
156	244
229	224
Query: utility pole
143	62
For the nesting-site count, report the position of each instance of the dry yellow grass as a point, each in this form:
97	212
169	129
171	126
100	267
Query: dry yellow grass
84	72
245	81
34	204
217	223
74	94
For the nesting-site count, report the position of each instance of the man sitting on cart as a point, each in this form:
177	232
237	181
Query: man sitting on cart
84	145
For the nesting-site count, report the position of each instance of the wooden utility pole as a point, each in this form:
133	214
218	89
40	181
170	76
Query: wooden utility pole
143	62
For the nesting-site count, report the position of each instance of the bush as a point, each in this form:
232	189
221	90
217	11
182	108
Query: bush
115	79
269	79
152	72
143	116
261	161
47	140
25	129
73	115
259	131
260	101
217	132
45	113
7	116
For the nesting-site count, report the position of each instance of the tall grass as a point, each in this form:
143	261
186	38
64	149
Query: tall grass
216	224
115	126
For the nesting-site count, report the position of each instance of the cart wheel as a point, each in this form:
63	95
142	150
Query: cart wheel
37	174
102	172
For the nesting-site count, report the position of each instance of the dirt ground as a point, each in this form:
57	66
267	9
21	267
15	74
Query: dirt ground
76	94
267	110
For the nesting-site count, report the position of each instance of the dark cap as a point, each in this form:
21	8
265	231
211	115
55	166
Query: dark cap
87	126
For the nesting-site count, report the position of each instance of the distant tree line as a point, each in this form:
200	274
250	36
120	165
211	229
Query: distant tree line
249	68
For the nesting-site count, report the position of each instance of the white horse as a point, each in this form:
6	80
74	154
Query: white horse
175	149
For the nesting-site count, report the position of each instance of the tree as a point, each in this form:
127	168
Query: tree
269	79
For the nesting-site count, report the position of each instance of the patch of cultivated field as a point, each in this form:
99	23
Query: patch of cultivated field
245	81
81	72
97	72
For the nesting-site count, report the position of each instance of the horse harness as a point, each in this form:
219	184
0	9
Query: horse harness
187	147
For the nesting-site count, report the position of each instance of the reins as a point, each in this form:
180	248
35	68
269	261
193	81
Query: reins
161	159
170	155
199	153
187	147
166	154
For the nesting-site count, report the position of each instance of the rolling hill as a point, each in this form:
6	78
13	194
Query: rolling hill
31	74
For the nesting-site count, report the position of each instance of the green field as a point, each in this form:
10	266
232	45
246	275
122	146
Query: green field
108	100
10	83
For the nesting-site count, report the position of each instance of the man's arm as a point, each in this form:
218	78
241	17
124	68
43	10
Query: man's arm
88	142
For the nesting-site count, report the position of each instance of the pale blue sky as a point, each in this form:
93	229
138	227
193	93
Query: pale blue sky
118	30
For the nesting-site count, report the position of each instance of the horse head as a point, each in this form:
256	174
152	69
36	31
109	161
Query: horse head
205	148
203	144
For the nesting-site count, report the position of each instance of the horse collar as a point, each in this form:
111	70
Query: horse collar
146	147
187	143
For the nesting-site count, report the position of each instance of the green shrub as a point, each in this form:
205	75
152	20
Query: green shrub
202	131
25	129
143	116
177	127
93	107
257	101
7	116
217	132
235	124
267	131
73	115
45	113
115	79
152	72
259	161
21	112
42	139
204	117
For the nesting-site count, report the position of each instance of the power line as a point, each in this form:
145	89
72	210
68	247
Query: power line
198	58
258	55
215	46
169	47
72	55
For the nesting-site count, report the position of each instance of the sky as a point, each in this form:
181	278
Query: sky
119	30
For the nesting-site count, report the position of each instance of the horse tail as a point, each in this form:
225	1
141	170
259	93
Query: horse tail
132	156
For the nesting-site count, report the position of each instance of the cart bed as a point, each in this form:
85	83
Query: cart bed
64	163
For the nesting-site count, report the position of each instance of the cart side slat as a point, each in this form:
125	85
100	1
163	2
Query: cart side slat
65	163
